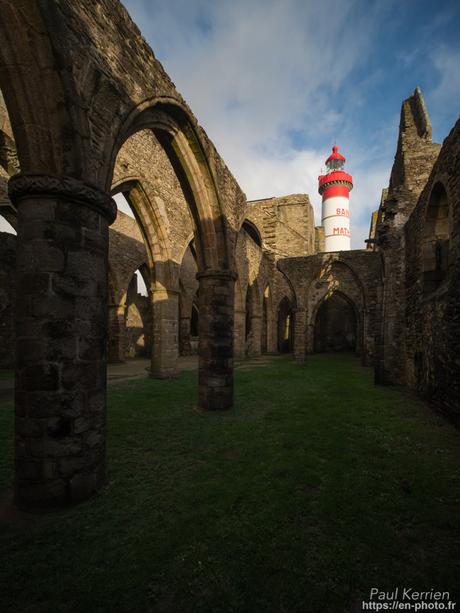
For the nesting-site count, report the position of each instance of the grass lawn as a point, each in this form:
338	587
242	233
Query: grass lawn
315	488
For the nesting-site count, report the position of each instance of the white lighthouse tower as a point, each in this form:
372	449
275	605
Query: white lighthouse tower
335	187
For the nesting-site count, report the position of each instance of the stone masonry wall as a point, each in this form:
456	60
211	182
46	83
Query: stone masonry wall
432	317
357	275
414	160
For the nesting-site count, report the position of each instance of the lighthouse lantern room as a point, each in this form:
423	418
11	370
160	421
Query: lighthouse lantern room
334	187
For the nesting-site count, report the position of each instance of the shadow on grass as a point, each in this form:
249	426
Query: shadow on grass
315	488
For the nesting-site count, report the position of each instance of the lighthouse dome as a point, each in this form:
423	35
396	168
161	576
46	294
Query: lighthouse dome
336	160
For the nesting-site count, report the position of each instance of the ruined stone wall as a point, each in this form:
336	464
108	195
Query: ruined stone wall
127	253
320	239
165	217
114	70
413	163
432	316
356	275
286	224
260	286
79	80
139	327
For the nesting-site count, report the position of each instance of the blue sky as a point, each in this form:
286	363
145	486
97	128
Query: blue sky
276	82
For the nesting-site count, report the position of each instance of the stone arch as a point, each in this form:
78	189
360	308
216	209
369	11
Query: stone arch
39	121
336	324
251	229
175	131
285	317
294	298
55	195
267	320
188	301
190	244
337	276
70	111
436	238
147	218
138	316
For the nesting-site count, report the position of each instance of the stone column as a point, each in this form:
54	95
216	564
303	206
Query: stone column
215	376
240	335
310	338
300	320
165	347
117	333
364	340
61	335
271	334
184	335
255	348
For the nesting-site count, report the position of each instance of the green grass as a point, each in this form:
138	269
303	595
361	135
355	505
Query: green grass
315	488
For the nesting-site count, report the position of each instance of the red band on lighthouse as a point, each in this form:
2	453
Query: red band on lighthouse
336	190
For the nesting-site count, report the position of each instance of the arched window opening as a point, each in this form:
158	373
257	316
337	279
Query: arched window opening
436	238
194	321
335	325
285	326
253	232
189	309
138	318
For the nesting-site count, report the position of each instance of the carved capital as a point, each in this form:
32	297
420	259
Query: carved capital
23	186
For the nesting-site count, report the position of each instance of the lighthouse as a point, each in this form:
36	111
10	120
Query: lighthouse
335	187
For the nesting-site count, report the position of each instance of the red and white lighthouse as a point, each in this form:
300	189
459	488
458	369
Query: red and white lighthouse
335	187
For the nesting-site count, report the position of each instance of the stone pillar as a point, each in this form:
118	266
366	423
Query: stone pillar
117	333
61	336
310	338
300	342
271	334
184	336
255	347
366	358
165	347
215	376
240	335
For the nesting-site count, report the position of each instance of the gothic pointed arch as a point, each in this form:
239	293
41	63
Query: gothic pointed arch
285	318
150	224
181	142
336	324
436	238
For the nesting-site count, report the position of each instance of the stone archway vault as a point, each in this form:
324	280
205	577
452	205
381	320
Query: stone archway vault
71	109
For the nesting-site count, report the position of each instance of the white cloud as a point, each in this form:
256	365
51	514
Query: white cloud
255	71
446	62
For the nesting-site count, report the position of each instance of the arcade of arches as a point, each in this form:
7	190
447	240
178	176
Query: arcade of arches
194	267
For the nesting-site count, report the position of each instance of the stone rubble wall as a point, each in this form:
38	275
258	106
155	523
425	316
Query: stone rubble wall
432	319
